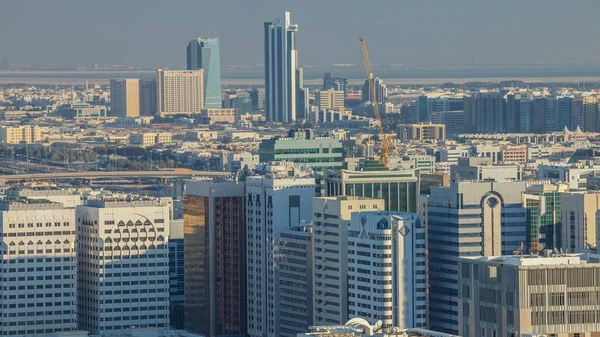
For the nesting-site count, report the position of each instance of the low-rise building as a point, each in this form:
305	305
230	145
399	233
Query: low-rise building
150	138
514	154
218	115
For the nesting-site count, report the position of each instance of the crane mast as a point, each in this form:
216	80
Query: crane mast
385	141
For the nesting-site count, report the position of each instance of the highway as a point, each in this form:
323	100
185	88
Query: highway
111	174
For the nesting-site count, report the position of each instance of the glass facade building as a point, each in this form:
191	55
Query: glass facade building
214	255
205	54
301	147
544	218
399	189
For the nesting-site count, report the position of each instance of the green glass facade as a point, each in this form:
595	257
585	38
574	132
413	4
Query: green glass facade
399	189
318	153
543	220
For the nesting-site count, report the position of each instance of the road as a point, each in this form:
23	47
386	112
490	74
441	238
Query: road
111	174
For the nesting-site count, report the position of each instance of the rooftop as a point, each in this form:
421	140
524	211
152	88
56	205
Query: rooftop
548	258
27	204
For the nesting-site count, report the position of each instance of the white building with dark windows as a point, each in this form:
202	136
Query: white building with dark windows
275	203
39	268
387	269
123	263
331	219
294	263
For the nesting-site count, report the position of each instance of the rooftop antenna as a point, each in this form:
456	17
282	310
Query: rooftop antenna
209	32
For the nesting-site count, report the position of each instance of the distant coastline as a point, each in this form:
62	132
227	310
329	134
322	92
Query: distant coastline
238	76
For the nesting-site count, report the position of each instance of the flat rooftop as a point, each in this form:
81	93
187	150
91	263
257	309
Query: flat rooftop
529	260
12	204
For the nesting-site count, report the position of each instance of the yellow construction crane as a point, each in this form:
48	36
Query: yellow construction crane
385	139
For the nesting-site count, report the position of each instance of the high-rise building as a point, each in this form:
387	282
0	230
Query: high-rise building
180	92
578	220
275	203
330	99
470	109
525	115
214	236
302	147
542	203
485	218
294	270
335	83
258	98
529	295
331	219
590	113
125	97
387	276
176	275
399	188
538	115
282	76
148	97
577	115
564	110
489	110
426	106
513	112
205	54
123	263
39	276
552	122
381	91
453	120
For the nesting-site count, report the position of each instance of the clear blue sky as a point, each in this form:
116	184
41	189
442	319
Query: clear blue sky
154	33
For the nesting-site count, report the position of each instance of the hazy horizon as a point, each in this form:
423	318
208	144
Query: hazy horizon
434	32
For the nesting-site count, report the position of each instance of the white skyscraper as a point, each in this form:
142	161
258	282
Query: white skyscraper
274	203
387	269
123	263
283	78
39	269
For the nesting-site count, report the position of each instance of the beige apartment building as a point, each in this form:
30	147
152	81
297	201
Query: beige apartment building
150	138
180	92
552	295
514	154
578	219
330	99
28	134
125	97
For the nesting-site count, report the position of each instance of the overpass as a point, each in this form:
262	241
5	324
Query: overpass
111	174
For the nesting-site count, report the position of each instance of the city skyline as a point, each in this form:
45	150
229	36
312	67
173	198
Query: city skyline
397	35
